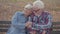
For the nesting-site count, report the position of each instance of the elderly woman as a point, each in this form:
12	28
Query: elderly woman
41	20
19	20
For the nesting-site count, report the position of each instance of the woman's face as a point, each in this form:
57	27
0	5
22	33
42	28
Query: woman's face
35	8
28	11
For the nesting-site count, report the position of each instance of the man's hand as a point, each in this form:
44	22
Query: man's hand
28	24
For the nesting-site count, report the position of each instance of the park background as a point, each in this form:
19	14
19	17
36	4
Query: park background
9	7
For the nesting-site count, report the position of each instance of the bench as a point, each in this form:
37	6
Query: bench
4	25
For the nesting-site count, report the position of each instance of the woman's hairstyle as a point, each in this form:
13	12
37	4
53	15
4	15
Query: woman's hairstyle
39	4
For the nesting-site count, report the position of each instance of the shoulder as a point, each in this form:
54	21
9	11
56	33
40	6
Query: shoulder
47	13
19	13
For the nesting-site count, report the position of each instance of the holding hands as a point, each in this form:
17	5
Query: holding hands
28	24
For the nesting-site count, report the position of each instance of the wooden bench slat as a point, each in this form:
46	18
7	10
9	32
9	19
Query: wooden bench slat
54	23
5	22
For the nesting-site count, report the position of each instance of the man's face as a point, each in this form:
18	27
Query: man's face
28	11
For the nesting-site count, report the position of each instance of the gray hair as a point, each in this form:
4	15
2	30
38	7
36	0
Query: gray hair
39	4
28	6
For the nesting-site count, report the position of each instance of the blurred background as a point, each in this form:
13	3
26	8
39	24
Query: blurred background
9	7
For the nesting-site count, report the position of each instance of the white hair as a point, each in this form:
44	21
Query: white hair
38	4
28	6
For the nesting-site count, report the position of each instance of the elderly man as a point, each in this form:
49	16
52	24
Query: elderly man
41	20
19	20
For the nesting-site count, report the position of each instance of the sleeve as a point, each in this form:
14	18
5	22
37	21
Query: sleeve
47	26
16	22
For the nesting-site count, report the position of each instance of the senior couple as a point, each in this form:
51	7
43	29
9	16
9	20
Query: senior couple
32	20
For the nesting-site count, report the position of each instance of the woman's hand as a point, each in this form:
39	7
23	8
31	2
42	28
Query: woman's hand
44	32
33	32
28	24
